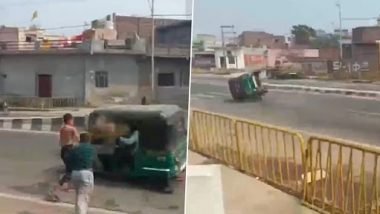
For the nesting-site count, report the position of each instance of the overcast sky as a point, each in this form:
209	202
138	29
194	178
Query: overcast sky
277	16
57	13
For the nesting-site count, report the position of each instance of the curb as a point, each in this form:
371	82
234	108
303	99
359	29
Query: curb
43	124
322	90
339	91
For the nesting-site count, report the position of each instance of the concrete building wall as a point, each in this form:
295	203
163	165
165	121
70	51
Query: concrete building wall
179	92
282	55
22	70
203	61
73	76
123	72
236	63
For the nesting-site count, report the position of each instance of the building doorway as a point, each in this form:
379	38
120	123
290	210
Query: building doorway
44	85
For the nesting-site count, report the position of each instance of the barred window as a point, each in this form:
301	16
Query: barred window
166	79
101	79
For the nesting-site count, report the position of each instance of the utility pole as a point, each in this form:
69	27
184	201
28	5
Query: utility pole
222	28
153	80
340	36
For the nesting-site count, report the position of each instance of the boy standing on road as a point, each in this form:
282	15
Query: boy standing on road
68	137
81	160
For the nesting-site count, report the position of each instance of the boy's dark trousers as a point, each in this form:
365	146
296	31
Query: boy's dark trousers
64	152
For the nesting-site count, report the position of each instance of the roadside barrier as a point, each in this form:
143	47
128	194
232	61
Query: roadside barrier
50	124
342	177
328	175
273	154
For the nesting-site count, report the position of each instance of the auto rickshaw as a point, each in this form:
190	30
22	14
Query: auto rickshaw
160	150
247	86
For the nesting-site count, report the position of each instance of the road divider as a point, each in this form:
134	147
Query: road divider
326	174
323	90
45	124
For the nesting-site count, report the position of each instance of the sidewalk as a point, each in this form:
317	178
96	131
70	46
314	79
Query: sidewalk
244	194
24	205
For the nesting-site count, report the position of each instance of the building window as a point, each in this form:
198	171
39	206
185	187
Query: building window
184	78
166	79
231	60
101	79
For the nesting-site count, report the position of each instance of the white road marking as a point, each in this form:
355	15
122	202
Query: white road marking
206	96
218	94
29	131
62	205
364	112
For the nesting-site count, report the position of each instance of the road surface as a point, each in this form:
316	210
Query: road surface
30	163
356	119
303	82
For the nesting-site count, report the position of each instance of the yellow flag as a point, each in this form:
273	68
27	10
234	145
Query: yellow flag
35	15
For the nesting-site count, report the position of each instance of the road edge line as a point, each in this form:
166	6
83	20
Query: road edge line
62	205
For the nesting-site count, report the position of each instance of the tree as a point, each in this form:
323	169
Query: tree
303	34
328	41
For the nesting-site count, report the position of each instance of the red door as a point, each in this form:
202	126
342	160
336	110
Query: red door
44	85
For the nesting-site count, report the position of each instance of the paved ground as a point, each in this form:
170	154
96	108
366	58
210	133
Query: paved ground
30	164
27	205
241	193
356	119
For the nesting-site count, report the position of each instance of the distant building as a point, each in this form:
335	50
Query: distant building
258	39
177	34
101	71
345	33
129	26
206	42
100	34
364	49
240	58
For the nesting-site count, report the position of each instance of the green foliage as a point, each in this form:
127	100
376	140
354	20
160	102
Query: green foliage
303	34
329	41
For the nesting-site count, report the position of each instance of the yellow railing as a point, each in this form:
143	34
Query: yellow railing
273	154
327	174
342	177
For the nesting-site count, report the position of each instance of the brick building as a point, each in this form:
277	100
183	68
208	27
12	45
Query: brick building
365	48
128	26
175	34
259	39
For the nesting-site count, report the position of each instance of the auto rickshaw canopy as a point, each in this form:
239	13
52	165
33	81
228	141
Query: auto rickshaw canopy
155	123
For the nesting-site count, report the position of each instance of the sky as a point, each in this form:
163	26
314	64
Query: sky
58	13
277	16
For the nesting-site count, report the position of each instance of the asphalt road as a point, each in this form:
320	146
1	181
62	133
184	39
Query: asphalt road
303	82
356	119
30	164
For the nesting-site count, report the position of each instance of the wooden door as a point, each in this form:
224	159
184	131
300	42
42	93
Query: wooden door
44	85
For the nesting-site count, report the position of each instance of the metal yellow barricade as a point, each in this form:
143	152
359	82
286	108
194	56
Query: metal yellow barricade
214	135
342	177
273	154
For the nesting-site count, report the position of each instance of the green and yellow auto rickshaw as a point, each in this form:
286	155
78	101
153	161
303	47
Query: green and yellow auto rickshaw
247	87
140	140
